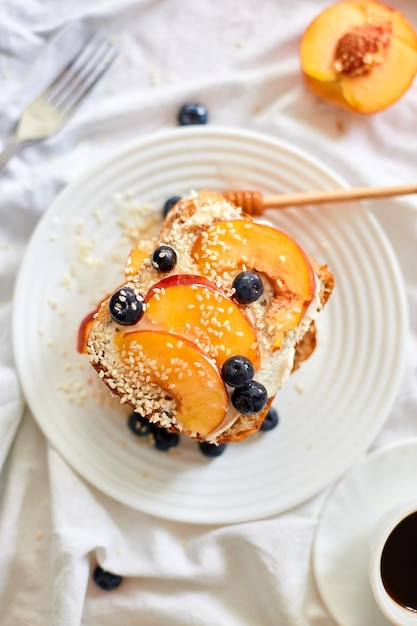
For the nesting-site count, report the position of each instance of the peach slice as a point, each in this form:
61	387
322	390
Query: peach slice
184	372
84	331
132	266
228	246
194	307
360	55
85	327
133	262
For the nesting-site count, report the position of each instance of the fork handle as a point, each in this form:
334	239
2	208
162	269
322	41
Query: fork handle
10	150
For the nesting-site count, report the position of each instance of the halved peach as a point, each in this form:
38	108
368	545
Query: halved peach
194	307
184	372
229	245
360	55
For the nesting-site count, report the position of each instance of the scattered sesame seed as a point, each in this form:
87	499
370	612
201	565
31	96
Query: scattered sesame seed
53	303
99	216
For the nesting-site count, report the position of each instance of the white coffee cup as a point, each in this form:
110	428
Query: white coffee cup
393	564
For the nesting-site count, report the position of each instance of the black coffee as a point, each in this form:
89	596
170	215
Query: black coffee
399	563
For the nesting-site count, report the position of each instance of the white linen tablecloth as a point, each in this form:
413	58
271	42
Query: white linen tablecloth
241	60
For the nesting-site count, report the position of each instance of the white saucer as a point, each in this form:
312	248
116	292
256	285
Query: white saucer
342	542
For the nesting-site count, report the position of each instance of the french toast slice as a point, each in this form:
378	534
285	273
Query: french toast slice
168	363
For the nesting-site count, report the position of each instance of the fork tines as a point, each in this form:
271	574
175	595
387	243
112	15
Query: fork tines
81	74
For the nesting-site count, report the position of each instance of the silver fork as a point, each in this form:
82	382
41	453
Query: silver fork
45	115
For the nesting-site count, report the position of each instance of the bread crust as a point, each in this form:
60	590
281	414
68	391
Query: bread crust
305	348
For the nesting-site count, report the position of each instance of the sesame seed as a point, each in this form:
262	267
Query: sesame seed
52	303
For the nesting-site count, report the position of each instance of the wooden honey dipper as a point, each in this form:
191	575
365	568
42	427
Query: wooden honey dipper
253	202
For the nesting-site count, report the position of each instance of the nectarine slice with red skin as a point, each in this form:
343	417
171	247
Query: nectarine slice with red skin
348	31
183	371
196	308
229	245
177	280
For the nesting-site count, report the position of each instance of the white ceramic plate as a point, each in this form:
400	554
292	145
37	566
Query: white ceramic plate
332	407
345	533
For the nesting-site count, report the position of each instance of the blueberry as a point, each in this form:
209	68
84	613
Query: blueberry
192	113
169	204
248	287
138	425
237	371
271	420
106	580
164	439
126	306
251	398
164	258
211	450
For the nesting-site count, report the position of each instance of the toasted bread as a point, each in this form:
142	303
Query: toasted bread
278	349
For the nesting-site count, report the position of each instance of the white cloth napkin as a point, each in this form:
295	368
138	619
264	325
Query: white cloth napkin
241	60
